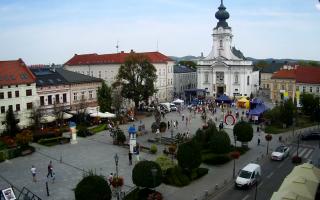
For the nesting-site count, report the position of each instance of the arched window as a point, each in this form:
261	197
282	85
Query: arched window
221	44
206	77
236	77
248	80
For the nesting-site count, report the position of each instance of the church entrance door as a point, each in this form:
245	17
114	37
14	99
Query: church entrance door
220	90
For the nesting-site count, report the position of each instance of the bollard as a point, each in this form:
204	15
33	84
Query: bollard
47	188
206	194
216	187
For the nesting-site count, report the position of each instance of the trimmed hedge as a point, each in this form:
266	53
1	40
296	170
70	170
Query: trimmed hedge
92	187
139	194
54	141
215	159
98	128
8	154
153	149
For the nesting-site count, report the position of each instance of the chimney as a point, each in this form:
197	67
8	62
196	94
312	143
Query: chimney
131	51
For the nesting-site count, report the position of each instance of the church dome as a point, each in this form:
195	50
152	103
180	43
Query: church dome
222	15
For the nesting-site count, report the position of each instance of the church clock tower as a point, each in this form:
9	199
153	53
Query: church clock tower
222	37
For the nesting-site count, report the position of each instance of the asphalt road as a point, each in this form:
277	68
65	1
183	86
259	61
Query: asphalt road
273	174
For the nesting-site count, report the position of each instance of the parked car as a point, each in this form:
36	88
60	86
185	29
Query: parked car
310	136
173	107
280	153
248	176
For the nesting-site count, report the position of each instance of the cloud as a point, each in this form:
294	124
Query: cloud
318	6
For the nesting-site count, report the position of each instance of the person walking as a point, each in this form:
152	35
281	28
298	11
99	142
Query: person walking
50	169
177	123
130	158
168	124
110	177
34	173
258	141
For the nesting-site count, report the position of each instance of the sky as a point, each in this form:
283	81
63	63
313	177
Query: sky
52	31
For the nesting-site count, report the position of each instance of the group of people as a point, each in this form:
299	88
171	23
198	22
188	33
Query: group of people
50	174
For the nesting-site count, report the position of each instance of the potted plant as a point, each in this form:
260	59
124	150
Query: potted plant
163	127
296	159
117	181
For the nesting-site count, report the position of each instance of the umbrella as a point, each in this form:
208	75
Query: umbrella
110	115
99	114
47	119
287	195
23	124
67	115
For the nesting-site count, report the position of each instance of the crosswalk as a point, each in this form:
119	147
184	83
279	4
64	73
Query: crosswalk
303	152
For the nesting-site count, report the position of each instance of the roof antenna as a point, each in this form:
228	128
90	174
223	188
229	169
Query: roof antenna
117	46
157	46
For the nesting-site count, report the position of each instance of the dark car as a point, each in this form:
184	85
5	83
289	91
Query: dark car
311	136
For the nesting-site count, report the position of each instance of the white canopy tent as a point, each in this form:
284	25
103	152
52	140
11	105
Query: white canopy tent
178	101
99	114
67	115
23	124
110	115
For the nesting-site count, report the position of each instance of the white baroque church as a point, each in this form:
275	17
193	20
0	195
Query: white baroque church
225	70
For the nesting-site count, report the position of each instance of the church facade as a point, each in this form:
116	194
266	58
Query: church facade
225	70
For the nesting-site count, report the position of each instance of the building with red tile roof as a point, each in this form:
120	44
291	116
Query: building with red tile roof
17	91
106	66
292	81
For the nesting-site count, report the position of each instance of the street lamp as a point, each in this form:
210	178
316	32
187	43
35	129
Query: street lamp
154	174
116	160
293	125
235	141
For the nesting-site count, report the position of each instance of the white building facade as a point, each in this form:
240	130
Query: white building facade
225	70
106	67
17	90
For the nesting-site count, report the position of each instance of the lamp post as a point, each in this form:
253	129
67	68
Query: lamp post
293	125
235	155
116	160
154	174
235	141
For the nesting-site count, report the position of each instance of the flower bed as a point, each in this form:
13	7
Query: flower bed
54	141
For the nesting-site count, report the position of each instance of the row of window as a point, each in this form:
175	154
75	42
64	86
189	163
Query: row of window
57	99
303	89
220	78
3	108
9	86
82	97
17	94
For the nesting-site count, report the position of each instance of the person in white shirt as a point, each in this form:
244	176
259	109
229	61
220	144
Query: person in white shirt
34	173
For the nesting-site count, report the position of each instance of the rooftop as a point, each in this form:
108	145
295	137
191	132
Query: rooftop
15	72
183	69
117	58
302	74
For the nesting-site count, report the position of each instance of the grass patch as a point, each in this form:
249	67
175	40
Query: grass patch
99	128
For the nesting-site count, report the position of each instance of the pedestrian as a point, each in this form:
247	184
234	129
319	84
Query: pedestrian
258	141
110	177
177	123
130	158
280	138
163	114
258	129
137	154
34	173
182	117
188	134
168	124
187	120
50	169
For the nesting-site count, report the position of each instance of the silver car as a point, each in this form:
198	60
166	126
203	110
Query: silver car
280	153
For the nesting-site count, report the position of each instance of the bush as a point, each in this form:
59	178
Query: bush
143	194
296	159
214	159
24	137
142	175
153	149
163	127
201	172
220	143
2	145
92	187
45	135
244	131
176	177
189	156
82	130
120	137
98	128
53	141
165	163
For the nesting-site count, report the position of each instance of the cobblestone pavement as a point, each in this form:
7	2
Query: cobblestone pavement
96	153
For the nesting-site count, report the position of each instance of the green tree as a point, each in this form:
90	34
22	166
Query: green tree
261	64
11	123
308	103
287	112
117	100
244	132
142	174
188	63
104	97
92	187
189	156
220	143
136	78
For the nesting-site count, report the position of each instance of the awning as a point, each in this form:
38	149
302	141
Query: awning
300	186
223	99
178	101
256	101
260	109
23	124
308	171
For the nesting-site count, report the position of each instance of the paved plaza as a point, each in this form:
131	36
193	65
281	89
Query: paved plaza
96	153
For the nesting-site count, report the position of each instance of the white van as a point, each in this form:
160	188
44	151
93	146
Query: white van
166	106
248	176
